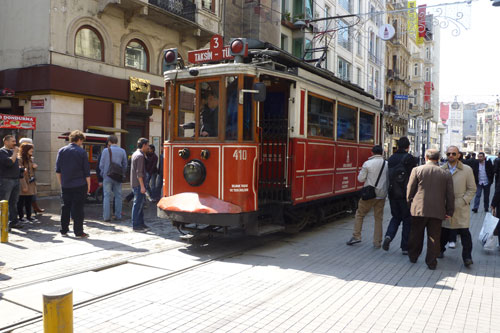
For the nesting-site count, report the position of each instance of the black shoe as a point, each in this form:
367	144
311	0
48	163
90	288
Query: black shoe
82	235
474	210
441	255
15	225
413	260
353	241
387	243
431	267
468	262
486	210
404	252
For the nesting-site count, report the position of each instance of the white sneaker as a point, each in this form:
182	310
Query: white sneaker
451	245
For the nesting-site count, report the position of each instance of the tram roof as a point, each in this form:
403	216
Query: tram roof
267	51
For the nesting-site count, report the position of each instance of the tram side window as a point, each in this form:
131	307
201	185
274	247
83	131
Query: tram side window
209	112
366	127
186	115
319	117
232	108
346	122
247	110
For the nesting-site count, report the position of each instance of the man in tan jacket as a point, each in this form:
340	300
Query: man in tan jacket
464	187
431	199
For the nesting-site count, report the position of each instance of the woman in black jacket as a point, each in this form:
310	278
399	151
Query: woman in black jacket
495	208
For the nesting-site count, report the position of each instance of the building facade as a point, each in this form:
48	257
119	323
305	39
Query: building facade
87	64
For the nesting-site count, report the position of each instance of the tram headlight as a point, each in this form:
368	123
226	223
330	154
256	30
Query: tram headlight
195	173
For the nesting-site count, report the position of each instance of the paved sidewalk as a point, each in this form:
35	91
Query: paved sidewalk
309	282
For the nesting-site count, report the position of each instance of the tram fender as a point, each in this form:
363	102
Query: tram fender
197	203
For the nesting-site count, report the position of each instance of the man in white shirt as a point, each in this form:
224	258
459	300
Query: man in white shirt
369	174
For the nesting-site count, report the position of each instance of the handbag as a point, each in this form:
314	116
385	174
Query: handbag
368	192
115	171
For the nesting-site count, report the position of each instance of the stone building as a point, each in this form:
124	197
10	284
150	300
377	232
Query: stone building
81	64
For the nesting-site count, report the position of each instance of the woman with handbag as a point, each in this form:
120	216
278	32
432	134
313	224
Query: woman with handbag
27	182
495	209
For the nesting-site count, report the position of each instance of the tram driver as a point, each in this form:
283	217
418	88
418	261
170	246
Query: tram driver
209	116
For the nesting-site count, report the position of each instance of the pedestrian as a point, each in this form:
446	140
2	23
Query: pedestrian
98	172
431	199
137	182
400	165
495	209
373	173
151	172
496	168
27	183
464	189
483	175
34	201
118	156
73	173
9	178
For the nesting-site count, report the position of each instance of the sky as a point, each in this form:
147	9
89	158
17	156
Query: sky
470	62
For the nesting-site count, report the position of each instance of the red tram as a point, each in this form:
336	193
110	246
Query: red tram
263	143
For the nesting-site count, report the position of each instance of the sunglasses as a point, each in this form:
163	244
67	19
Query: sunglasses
448	154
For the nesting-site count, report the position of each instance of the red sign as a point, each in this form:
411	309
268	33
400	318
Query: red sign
216	52
37	103
421	20
17	122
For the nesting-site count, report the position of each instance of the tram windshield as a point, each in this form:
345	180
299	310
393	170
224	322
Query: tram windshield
209	109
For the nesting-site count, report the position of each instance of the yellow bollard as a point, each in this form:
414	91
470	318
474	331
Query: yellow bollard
4	220
58	311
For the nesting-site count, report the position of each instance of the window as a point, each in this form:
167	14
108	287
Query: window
320	118
209	109
308	53
136	55
371	45
344	35
358	81
208	5
248	110
232	108
346	122
428	53
344	70
327	14
298	8
346	4
377	83
309	9
415	69
284	42
427	74
360	44
366	127
88	43
186	114
298	47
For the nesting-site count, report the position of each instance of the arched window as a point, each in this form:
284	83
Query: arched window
136	55
88	43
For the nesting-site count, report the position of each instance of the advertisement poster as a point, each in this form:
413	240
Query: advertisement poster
17	122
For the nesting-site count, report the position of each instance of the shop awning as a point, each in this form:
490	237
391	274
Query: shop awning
107	129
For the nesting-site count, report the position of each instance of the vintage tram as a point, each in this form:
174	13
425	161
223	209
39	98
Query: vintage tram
263	143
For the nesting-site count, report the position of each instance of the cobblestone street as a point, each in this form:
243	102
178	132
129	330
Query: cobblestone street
133	282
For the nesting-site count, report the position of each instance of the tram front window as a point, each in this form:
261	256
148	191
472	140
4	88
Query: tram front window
186	114
209	112
232	108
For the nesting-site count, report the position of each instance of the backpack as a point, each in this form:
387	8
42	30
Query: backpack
398	180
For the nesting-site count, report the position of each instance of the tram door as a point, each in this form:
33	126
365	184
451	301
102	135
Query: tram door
274	137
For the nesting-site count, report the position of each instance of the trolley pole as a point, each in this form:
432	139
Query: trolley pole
4	220
58	311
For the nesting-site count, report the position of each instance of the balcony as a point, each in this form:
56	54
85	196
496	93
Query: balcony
183	8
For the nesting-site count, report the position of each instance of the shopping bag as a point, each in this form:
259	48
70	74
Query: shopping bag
486	237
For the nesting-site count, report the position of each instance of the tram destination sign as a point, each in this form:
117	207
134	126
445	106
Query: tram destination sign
216	52
401	97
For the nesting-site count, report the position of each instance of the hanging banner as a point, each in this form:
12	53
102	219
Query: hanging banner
17	122
421	20
413	22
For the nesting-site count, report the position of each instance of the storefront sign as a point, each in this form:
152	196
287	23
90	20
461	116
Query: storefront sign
401	97
37	104
17	122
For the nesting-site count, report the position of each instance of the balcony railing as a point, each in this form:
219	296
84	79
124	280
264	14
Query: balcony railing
183	8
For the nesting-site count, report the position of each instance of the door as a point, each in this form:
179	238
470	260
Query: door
274	139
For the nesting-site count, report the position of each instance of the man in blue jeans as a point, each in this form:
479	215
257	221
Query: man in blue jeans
137	181
400	165
483	175
119	157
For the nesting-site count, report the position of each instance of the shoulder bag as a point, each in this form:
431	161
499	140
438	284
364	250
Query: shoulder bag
368	192
115	170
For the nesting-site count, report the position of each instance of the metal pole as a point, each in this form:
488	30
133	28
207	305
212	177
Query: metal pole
4	217
58	311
